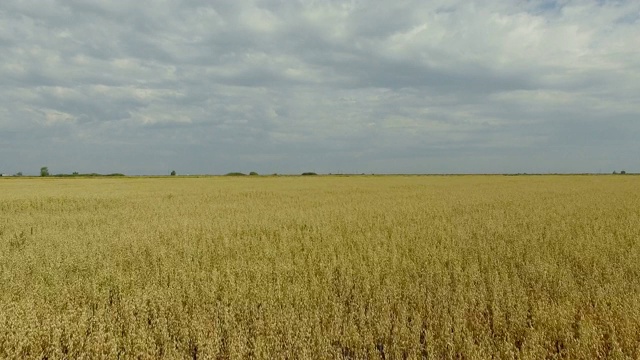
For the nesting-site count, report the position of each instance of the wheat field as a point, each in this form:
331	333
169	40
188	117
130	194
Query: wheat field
363	267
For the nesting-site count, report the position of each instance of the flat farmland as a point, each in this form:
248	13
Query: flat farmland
320	267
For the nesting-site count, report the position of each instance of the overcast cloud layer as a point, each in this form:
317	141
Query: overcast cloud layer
386	86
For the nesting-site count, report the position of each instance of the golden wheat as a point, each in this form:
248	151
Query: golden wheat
320	267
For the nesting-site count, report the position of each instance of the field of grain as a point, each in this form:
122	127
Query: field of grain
389	267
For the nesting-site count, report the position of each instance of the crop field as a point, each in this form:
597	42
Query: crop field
320	267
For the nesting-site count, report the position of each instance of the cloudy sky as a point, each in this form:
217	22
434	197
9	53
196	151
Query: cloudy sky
286	86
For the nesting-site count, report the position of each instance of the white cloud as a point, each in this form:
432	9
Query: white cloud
322	81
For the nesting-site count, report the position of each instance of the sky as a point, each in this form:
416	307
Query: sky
290	86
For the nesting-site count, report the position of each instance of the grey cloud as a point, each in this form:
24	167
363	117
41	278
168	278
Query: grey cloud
329	86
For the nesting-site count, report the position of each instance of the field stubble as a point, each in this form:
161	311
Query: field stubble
321	267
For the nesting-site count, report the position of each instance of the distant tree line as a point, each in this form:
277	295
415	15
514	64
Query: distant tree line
44	172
